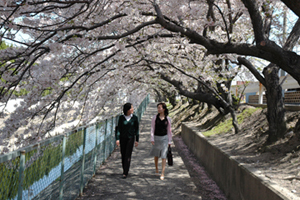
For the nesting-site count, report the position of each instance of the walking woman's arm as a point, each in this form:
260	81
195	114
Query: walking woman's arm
137	134
118	131
137	128
169	131
152	129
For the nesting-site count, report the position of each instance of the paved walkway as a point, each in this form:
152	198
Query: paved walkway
142	183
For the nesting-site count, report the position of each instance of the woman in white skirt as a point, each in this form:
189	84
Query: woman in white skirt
161	137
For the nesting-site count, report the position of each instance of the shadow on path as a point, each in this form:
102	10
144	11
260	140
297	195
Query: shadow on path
142	183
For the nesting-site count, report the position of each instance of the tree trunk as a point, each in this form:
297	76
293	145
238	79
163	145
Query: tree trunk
158	95
172	99
202	105
209	106
228	97
234	118
234	122
276	111
201	96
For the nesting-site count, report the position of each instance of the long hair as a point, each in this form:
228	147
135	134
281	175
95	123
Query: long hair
126	107
164	106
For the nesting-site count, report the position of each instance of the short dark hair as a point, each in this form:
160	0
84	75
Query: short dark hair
164	106
126	107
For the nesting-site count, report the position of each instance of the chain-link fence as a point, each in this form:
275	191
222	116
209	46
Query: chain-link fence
59	167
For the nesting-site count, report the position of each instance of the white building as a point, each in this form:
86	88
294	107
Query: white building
254	91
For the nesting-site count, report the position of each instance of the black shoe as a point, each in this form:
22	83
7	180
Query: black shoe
124	176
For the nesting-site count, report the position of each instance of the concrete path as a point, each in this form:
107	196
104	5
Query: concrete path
142	183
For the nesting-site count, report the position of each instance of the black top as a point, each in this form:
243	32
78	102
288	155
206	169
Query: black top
161	126
128	129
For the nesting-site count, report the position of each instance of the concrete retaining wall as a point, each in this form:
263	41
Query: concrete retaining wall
238	181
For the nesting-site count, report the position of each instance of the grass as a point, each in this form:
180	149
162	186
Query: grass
226	126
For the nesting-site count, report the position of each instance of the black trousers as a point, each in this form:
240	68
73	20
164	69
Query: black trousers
126	151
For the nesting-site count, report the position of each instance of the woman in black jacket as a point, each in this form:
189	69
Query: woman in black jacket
127	135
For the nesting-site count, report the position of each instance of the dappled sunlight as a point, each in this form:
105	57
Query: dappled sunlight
142	182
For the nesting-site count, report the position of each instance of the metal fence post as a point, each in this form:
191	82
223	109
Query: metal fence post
95	149
108	139
111	135
62	171
105	140
21	174
116	124
83	161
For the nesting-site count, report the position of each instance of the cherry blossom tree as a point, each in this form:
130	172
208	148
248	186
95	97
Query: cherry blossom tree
188	70
75	58
261	31
261	28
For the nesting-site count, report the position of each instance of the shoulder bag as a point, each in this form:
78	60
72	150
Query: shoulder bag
170	156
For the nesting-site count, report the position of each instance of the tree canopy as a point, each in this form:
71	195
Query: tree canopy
85	54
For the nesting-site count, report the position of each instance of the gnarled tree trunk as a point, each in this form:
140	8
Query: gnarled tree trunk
276	111
228	97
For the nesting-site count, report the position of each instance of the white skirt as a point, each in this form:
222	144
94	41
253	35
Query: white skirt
160	147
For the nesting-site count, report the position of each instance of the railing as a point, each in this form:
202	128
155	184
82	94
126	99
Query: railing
59	167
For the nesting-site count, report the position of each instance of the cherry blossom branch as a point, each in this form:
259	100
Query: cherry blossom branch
15	83
57	2
113	37
8	17
230	16
80	28
256	19
293	37
293	5
252	69
224	20
290	43
269	50
213	91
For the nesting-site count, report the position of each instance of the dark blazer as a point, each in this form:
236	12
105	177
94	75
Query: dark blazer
128	129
